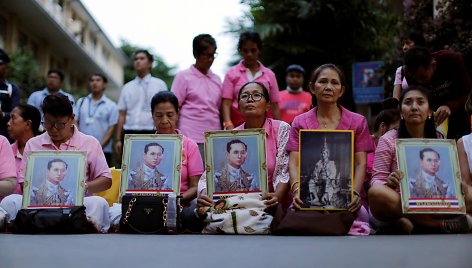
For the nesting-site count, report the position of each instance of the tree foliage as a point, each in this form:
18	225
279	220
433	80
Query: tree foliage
24	72
311	33
160	69
450	29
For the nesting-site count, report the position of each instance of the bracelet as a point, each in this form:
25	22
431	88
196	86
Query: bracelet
295	191
227	124
356	193
293	184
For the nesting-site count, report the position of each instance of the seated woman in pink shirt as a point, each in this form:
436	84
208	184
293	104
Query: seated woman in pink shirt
23	125
254	102
198	90
62	135
327	84
417	121
165	114
7	174
249	69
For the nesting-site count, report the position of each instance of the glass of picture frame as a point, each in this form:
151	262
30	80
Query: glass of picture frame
54	179
326	169
151	164
432	180
235	162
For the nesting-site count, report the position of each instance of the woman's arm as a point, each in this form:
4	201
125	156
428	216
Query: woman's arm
463	162
191	193
7	186
226	111
98	185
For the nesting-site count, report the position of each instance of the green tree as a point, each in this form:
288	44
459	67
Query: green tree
311	33
24	71
160	69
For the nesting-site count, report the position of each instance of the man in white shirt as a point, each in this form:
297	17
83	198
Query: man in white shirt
135	100
426	184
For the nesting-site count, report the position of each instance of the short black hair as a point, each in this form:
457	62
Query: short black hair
104	78
250	36
202	42
389	114
146	148
228	145
57	160
417	57
58	72
57	105
416	37
145	52
425	150
165	96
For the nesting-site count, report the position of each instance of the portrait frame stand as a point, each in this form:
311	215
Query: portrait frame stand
216	144
326	184
415	158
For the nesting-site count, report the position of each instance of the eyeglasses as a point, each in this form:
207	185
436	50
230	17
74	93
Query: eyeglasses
57	125
255	96
209	55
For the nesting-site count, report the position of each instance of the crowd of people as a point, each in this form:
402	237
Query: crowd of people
430	89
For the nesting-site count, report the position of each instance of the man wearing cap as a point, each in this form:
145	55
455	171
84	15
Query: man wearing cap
293	100
9	94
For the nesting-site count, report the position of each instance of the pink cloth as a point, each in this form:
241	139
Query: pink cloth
349	121
18	158
199	98
385	160
7	161
192	164
236	77
293	104
96	162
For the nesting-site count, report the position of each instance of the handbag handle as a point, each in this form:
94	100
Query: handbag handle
128	213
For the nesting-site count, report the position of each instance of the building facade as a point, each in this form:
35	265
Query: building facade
62	34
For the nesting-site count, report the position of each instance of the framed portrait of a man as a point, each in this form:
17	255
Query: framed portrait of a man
235	162
54	179
151	164
431	182
326	169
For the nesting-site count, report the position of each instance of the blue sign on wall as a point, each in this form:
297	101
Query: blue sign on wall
367	80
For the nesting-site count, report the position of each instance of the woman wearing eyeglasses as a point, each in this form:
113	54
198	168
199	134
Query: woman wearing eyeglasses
62	135
198	90
254	103
249	69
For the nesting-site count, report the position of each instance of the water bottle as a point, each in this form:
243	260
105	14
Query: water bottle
172	213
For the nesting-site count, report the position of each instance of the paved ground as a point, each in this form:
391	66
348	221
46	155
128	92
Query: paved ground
133	251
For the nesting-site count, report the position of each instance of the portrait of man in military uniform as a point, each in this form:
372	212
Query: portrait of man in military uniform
426	183
146	175
50	192
232	177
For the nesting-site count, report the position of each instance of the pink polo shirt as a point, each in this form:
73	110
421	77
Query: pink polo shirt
199	98
18	158
192	164
349	121
7	161
96	162
236	77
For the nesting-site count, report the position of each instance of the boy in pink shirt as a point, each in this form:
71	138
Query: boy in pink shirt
293	100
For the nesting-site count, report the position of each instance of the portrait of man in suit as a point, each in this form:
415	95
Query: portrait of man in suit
50	192
232	177
426	183
146	176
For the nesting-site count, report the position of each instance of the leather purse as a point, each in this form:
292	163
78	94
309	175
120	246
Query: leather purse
148	215
311	222
52	221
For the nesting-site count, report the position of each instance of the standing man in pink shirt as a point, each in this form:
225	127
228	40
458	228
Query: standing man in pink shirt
198	90
62	135
293	100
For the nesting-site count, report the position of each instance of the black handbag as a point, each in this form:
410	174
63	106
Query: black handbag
149	215
52	221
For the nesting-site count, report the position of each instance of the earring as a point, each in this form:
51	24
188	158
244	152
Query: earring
401	117
429	116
